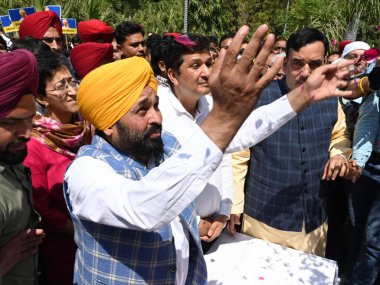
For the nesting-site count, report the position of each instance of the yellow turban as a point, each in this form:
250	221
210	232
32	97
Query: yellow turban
108	92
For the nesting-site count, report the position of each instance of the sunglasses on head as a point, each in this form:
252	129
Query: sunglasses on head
50	40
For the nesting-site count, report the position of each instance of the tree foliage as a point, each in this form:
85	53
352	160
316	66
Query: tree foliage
218	17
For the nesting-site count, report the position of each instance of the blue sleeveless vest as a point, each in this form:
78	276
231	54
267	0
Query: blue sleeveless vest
111	255
284	186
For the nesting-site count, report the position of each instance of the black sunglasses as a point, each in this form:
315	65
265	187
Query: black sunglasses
50	40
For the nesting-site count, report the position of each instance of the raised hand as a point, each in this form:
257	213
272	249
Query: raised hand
236	84
326	81
329	80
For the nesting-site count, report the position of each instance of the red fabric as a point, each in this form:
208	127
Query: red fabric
37	24
57	251
342	44
172	34
18	77
371	54
88	56
95	31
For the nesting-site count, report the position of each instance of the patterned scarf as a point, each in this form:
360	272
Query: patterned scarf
65	139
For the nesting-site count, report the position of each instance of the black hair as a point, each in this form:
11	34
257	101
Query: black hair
31	44
280	38
3	44
306	36
75	40
213	40
176	50
159	53
226	36
333	52
152	42
48	64
125	29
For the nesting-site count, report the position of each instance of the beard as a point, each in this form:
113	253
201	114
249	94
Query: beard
13	158
140	145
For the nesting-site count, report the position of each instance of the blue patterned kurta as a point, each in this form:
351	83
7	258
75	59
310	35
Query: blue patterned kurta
111	255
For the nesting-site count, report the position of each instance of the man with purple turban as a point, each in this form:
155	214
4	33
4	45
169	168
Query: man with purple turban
18	236
45	26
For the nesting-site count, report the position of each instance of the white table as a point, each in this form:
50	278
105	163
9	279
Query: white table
244	260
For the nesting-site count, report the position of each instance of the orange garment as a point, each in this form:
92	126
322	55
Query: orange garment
108	92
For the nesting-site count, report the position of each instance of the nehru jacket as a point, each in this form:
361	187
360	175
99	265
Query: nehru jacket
284	187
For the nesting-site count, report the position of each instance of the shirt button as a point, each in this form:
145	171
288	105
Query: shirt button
303	149
302	128
305	171
172	269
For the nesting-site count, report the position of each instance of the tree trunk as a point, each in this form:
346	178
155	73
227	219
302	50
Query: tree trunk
352	28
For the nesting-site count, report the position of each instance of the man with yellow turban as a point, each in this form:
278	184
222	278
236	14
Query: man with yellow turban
18	236
131	192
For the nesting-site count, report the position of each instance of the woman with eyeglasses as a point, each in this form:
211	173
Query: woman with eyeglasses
57	134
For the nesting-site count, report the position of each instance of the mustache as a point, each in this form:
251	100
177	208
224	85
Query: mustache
19	141
153	129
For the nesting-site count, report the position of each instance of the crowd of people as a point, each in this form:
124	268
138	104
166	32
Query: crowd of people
123	159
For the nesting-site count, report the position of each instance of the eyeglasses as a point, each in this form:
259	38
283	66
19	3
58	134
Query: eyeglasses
136	44
63	85
353	56
50	40
279	48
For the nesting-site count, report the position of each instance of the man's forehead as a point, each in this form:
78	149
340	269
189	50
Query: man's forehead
25	109
313	50
134	37
280	43
203	55
357	51
147	93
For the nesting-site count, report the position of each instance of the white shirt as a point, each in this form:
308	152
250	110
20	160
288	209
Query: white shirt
160	196
218	193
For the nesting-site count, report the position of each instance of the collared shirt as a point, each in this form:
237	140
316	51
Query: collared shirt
367	130
218	194
160	196
16	215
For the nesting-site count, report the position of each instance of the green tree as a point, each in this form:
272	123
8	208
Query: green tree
207	17
255	13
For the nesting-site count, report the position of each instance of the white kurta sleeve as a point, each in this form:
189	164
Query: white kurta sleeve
261	123
99	194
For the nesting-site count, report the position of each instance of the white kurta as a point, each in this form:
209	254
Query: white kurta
160	196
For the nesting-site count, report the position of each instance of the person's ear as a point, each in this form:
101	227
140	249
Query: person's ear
162	66
108	132
119	48
41	100
172	76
